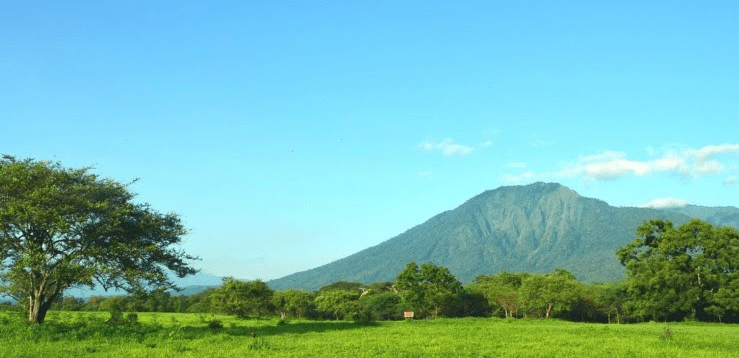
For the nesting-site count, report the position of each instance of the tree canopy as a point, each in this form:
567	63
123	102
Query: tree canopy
425	288
687	271
243	298
62	228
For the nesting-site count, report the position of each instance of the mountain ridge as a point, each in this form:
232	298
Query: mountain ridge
534	228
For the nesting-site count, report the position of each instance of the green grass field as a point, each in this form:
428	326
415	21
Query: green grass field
84	334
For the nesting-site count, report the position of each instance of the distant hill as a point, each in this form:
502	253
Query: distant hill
532	228
189	284
720	215
191	290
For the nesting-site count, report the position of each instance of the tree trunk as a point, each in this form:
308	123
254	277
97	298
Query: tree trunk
549	308
37	307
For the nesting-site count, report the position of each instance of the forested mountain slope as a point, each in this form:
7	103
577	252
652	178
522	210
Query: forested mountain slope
533	228
720	215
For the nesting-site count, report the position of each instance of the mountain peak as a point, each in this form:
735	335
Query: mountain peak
537	227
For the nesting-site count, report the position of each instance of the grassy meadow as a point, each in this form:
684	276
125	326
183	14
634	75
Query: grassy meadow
87	334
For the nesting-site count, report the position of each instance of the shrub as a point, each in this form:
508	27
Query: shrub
116	317
215	324
132	318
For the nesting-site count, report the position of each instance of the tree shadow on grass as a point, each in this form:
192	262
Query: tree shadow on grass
95	328
301	327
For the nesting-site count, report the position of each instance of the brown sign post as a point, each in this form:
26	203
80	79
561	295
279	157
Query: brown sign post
408	314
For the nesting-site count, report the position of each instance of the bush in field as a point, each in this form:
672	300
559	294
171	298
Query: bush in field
294	303
464	304
383	306
215	324
243	298
132	318
338	304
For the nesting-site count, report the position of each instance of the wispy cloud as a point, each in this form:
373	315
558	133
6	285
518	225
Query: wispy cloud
537	141
448	147
610	165
660	203
730	180
518	179
424	173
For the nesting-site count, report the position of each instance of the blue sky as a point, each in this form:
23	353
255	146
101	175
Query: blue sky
289	134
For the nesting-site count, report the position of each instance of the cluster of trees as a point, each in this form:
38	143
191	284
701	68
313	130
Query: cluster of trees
63	228
673	274
689	272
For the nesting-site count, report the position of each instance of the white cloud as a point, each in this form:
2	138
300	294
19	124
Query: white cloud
486	143
660	203
427	146
612	169
710	151
668	162
448	147
708	167
689	163
604	156
609	165
730	180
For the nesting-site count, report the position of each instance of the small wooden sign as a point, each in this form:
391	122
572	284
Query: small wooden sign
408	314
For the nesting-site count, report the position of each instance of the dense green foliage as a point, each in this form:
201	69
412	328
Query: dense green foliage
294	303
243	298
426	289
533	228
674	274
692	270
62	228
69	334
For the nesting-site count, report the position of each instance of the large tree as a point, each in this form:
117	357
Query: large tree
426	288
553	293
676	272
62	228
501	291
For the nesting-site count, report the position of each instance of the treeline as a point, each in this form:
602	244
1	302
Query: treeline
690	272
427	290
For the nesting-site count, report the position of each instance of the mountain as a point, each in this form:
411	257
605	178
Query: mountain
533	228
189	284
191	290
720	215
